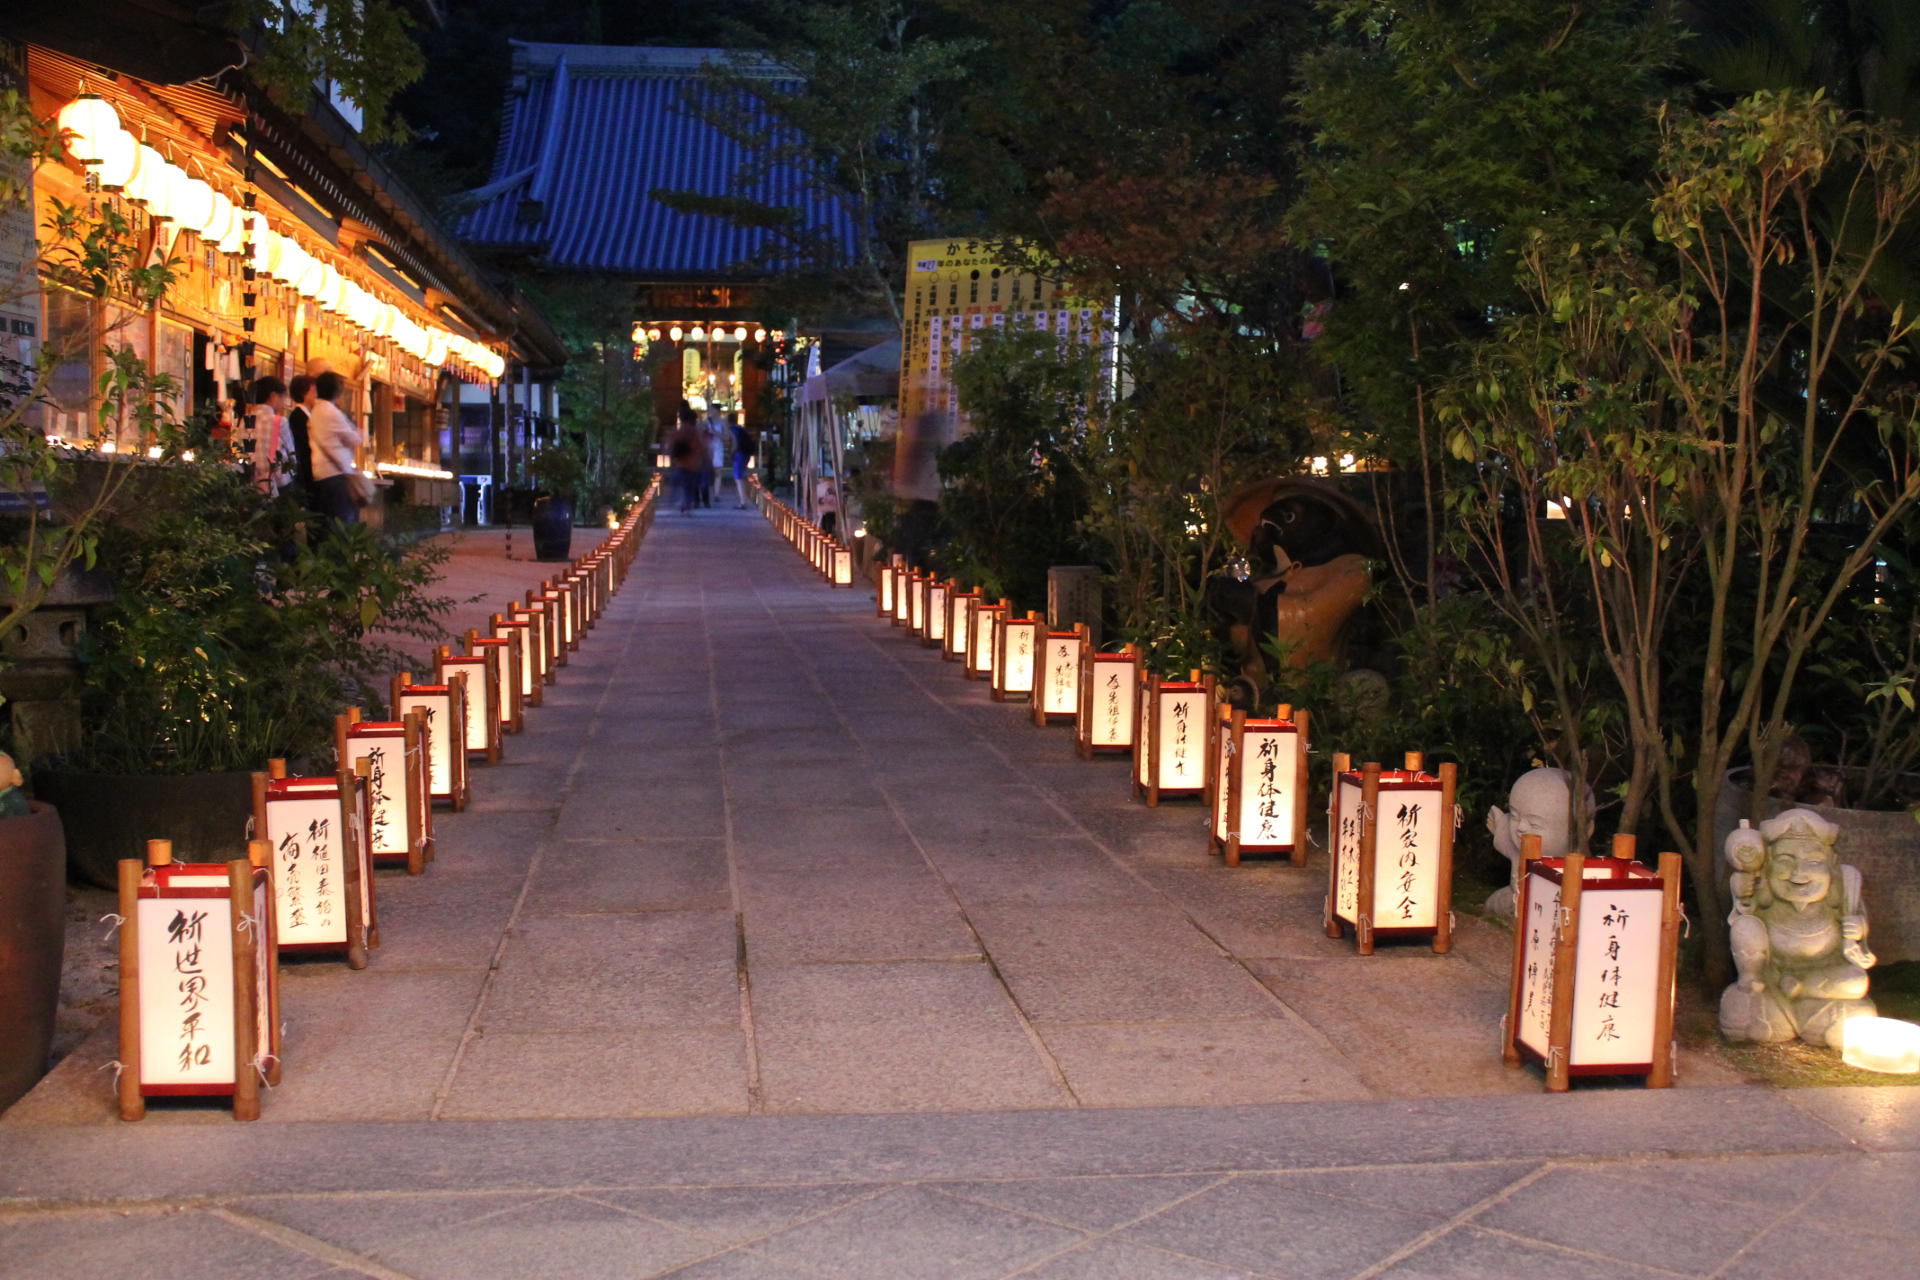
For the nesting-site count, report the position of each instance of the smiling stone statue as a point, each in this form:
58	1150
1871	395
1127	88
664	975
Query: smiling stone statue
1540	803
1799	934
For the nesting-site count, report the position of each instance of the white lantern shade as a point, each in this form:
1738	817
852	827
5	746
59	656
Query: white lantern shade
675	333
219	224
1057	683
193	208
313	274
148	177
1881	1044
89	121
119	157
1108	700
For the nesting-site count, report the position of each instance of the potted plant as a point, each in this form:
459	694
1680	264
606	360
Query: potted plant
558	471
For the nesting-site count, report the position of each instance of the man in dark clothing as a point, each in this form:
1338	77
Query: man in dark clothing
301	395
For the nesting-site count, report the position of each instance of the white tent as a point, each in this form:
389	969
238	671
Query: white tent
820	445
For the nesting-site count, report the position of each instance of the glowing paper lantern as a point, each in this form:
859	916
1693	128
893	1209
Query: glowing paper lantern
1881	1044
1056	680
90	123
149	177
399	817
842	566
323	864
193	203
1391	836
883	595
1016	648
503	656
528	673
980	638
119	157
199	980
1258	787
443	733
478	688
902	596
1172	758
1594	952
1109	700
933	628
953	647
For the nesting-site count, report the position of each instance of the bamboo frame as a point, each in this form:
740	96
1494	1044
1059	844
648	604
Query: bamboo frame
1043	665
1366	931
1001	687
1147	783
456	730
959	624
935	617
479	695
985	618
524	684
1091	661
415	807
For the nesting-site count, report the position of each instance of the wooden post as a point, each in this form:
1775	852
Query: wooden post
276	768
1369	842
1566	955
246	1010
1661	1076
1236	731
267	931
1302	720
1341	763
132	1105
1413	762
1152	760
358	935
1510	1033
1443	916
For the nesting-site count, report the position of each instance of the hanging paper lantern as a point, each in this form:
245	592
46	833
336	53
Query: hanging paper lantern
119	158
193	202
89	120
149	171
220	221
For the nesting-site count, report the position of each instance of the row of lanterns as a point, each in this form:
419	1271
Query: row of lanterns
1587	994
121	163
700	333
308	886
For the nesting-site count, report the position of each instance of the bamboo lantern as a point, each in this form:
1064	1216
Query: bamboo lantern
535	616
842	566
479	688
399	810
503	660
322	863
980	638
1109	700
1595	948
1016	653
934	633
556	626
1056	682
526	665
199	980
445	735
1172	757
1258	795
1391	837
959	617
902	594
917	603
569	621
883	598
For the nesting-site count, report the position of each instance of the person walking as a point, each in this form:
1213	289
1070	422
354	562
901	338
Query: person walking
740	446
333	438
300	394
714	442
687	455
265	444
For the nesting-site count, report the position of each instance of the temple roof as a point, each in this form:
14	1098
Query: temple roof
592	132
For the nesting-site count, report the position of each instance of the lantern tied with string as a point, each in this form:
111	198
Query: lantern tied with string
199	980
399	809
1109	687
479	688
322	860
503	657
1595	947
443	731
1172	759
1258	791
1016	653
933	630
1390	833
902	595
953	645
883	596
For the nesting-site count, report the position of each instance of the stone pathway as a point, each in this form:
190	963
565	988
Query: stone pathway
759	872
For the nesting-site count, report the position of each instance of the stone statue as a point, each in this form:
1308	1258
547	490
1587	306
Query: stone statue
1799	934
13	790
1540	803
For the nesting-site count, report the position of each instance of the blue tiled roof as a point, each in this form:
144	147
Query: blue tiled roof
592	131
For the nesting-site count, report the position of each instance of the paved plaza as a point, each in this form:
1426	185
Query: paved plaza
775	948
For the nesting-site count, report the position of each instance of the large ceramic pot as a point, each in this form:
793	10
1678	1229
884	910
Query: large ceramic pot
553	529
110	816
1884	844
33	898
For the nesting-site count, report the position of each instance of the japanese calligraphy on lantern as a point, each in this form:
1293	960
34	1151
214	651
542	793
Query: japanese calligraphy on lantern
435	703
1542	925
936	622
1405	891
1060	676
186	990
1618	962
1183	735
1016	676
309	851
955	642
1348	800
386	787
1270	765
475	670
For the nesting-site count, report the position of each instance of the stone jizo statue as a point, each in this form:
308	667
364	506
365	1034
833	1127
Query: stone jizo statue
1799	934
1540	803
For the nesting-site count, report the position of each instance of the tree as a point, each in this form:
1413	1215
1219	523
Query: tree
605	400
1727	420
854	90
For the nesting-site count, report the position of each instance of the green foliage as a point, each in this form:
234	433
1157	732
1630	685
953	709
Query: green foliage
216	652
1014	489
606	400
366	47
558	469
